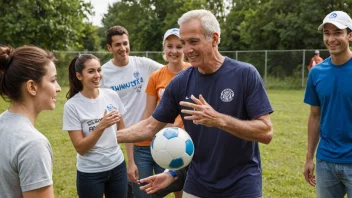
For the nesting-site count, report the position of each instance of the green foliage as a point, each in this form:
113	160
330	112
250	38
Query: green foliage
278	24
147	20
49	24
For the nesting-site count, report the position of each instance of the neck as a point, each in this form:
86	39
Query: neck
175	67
339	59
25	108
213	64
120	63
90	93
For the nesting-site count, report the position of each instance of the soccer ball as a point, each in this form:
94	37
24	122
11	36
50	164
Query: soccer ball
172	148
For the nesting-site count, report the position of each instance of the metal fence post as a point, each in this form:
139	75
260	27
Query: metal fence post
303	65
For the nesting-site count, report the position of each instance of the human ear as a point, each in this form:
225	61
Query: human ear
350	36
31	87
216	39
109	47
79	76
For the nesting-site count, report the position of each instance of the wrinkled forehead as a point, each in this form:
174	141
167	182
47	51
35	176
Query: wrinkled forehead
191	29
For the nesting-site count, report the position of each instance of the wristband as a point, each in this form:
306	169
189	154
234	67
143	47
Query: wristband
173	173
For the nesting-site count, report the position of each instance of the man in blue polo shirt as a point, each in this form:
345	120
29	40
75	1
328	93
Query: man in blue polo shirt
329	93
225	109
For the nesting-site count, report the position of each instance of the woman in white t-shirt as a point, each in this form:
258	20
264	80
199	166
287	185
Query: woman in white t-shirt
92	115
28	81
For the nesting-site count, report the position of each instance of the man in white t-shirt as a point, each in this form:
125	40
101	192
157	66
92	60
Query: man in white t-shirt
129	76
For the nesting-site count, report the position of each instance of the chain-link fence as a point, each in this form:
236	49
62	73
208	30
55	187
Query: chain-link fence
286	69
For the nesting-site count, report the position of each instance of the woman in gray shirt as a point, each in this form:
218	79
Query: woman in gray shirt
28	82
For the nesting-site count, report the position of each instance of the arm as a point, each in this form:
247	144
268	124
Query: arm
150	106
309	66
259	129
45	192
313	139
84	144
143	130
132	169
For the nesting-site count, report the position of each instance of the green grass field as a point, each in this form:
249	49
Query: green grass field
282	160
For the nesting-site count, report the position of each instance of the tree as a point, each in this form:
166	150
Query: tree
147	20
54	25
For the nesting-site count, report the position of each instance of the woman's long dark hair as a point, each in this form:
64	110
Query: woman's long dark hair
77	65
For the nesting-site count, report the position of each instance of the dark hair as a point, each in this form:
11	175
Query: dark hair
17	66
115	30
77	65
348	30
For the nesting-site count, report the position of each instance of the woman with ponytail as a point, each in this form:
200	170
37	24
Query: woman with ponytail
92	116
28	82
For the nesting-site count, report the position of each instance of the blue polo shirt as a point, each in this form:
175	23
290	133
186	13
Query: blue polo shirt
223	165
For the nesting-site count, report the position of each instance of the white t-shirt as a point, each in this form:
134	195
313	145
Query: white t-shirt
130	82
26	160
81	113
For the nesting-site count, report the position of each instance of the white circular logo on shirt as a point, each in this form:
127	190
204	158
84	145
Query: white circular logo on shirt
227	95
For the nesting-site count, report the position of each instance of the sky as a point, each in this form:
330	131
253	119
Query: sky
100	7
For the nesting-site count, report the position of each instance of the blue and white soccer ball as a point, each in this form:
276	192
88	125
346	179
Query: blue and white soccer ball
172	148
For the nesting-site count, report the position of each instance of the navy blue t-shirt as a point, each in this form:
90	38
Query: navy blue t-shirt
223	165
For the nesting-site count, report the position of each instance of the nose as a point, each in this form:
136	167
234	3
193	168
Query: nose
122	48
97	74
331	38
187	48
58	88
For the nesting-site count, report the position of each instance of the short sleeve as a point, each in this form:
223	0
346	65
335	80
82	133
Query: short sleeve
310	95
70	118
152	65
35	162
168	108
257	101
151	87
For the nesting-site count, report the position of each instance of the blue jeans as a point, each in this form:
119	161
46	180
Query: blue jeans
146	166
112	183
333	180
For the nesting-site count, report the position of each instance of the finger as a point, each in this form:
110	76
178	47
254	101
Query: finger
189	104
305	173
193	117
196	100
312	180
145	186
105	112
130	177
191	112
152	189
202	100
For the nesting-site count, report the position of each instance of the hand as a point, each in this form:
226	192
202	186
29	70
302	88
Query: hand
156	182
202	112
110	118
309	172
132	172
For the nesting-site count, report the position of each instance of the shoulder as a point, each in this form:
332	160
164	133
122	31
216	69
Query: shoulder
144	61
159	71
109	92
238	66
70	103
107	64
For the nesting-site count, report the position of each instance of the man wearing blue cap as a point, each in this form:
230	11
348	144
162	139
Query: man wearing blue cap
329	92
